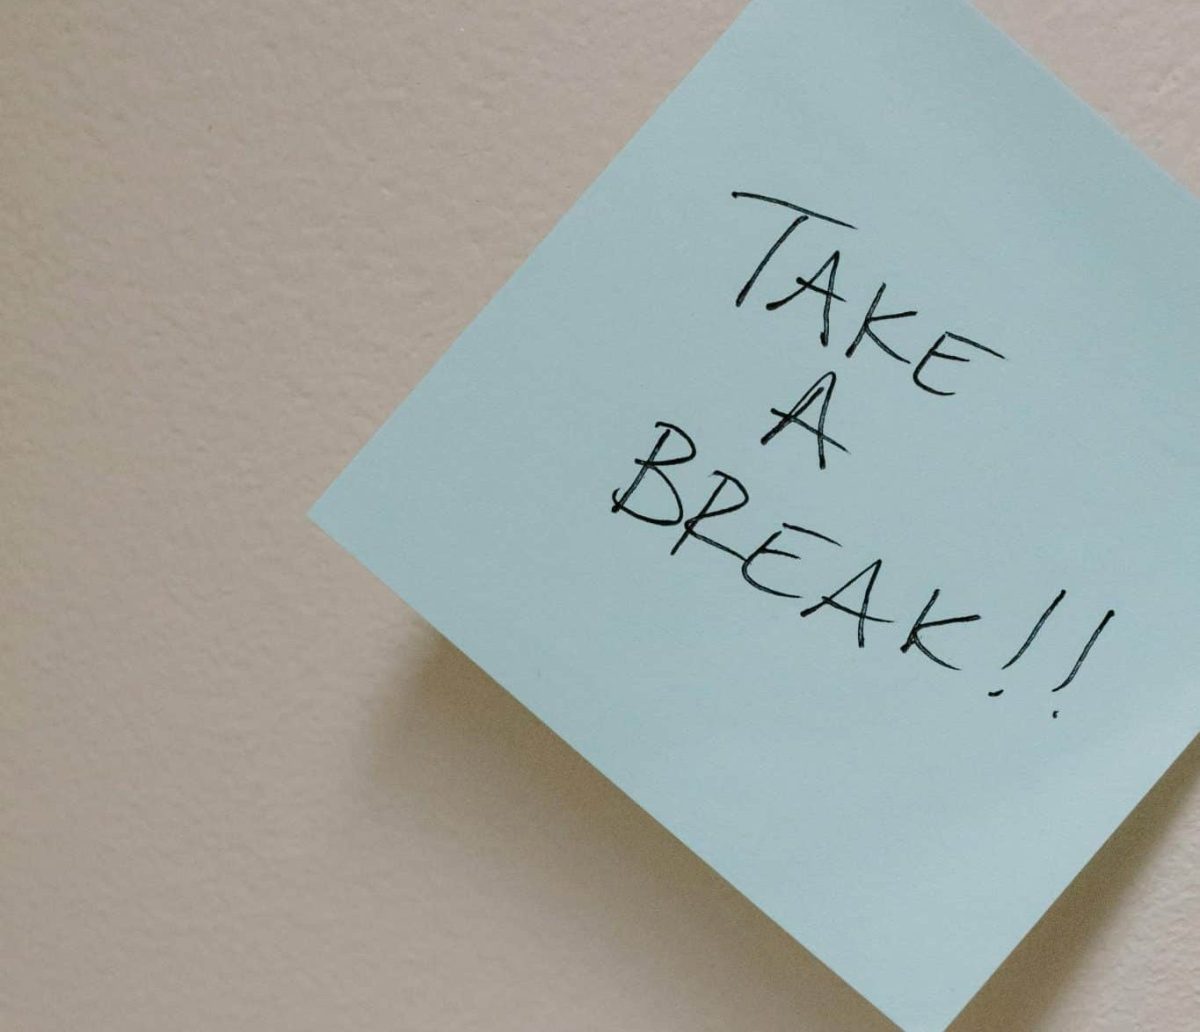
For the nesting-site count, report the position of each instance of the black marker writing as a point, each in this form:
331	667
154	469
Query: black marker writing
867	330
1086	649
921	624
766	549
853	598
654	464
804	214
931	375
742	294
1037	629
821	391
872	574
831	263
708	512
946	356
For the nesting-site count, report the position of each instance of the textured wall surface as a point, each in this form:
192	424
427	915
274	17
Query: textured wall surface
245	788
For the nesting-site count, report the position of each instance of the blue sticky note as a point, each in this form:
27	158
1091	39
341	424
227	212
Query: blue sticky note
828	478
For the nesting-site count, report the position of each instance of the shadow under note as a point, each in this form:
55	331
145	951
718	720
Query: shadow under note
1021	992
575	848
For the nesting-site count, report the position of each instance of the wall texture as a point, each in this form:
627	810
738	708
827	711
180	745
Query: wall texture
245	788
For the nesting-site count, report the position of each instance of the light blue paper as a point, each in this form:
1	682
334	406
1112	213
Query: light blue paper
897	819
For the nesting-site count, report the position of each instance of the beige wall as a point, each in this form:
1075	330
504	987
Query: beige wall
245	788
